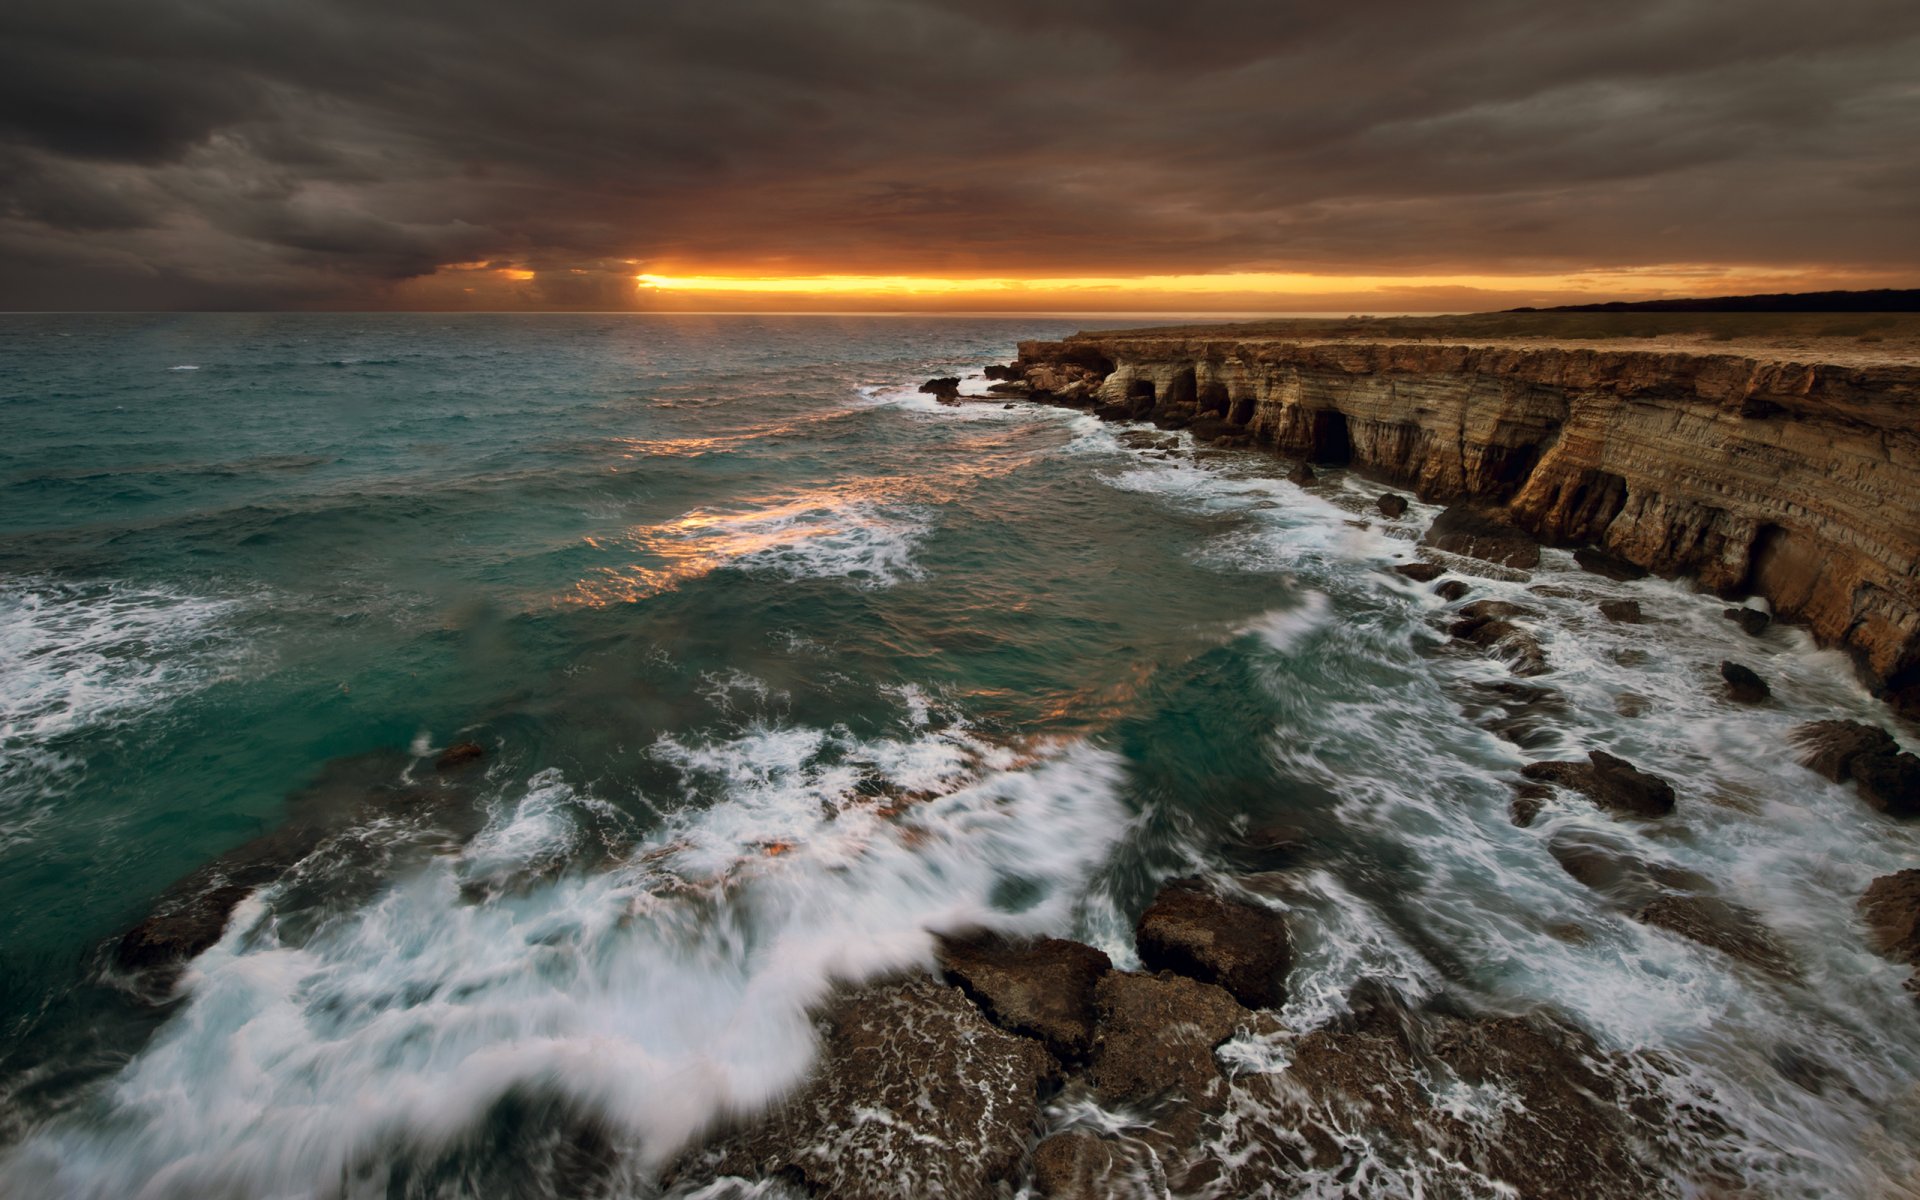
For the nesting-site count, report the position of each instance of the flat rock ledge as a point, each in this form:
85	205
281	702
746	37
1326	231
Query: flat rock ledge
969	1089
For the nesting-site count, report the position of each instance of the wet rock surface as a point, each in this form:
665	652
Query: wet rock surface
1613	567
1042	989
1732	930
1743	685
1753	620
1452	589
1489	625
1612	783
1515	1106
1421	572
1625	612
1886	777
1483	531
1832	747
945	389
460	754
1391	505
916	1094
1891	909
1157	1038
1239	946
192	914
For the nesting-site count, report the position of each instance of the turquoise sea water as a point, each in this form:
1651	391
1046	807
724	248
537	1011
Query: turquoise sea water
779	666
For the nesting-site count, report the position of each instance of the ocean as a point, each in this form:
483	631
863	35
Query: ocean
778	667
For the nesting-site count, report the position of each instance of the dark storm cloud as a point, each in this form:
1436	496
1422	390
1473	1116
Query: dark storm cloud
233	152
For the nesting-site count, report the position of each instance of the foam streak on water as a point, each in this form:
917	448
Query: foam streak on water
660	993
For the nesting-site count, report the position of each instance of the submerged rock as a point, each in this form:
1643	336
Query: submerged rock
1421	572
459	754
1484	623
347	795
1524	714
1042	989
1241	947
1391	505
1625	612
1302	476
1732	930
1483	531
1743	686
1451	589
1612	783
916	1094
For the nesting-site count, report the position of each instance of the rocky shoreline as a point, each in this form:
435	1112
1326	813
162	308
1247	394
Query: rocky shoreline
1797	482
1041	1069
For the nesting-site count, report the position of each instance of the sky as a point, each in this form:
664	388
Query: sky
952	155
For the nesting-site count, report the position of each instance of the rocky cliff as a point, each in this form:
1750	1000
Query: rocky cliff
1796	481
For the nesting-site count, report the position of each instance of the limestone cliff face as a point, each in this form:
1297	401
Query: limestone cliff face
1799	482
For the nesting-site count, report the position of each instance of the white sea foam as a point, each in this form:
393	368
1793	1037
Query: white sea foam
1377	723
833	534
82	657
659	994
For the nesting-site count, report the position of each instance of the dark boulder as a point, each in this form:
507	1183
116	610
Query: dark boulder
945	389
459	754
1889	783
945	1100
1042	989
1451	589
1743	686
1626	612
1009	373
1753	620
1302	476
1601	563
1612	783
1193	931
1391	505
1483	531
1421	572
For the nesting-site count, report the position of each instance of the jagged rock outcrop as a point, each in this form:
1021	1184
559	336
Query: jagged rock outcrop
1796	481
1887	777
1613	783
1238	946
